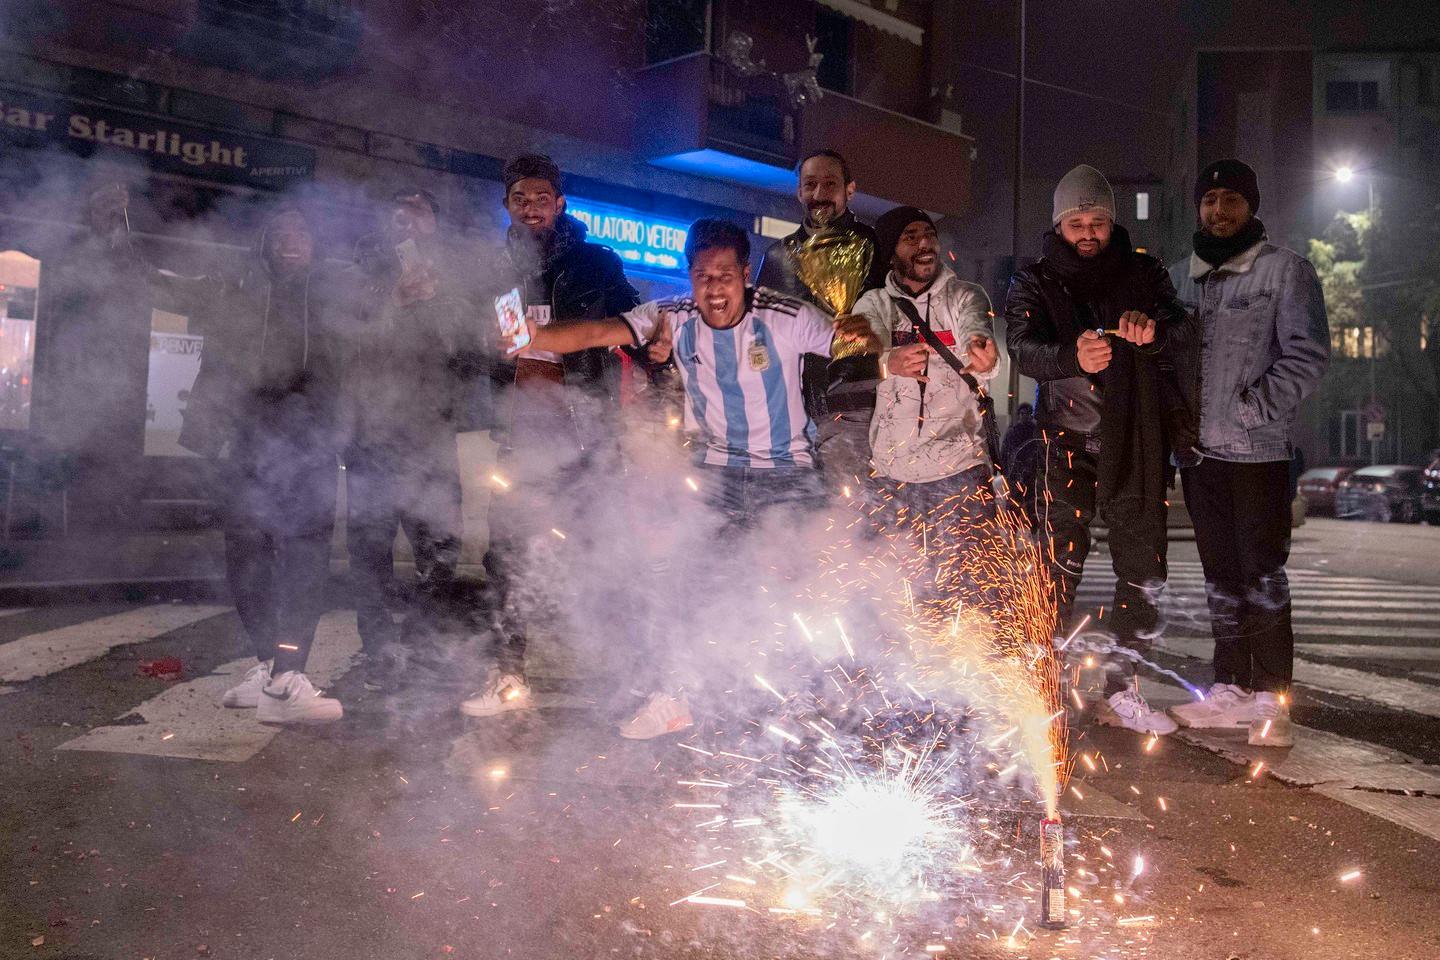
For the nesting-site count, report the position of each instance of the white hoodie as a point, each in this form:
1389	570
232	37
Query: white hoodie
950	438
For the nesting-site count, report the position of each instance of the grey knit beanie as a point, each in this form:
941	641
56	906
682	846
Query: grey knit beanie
1083	190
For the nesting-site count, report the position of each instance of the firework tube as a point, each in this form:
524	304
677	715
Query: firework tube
1052	874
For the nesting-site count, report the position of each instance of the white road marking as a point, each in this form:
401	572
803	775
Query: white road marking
187	720
41	654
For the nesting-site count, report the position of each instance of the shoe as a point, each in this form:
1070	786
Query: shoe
661	714
292	698
502	692
1271	726
381	672
1129	710
245	695
1224	706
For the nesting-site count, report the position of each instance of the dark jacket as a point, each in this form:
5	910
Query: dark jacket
1044	317
267	397
579	281
416	372
842	387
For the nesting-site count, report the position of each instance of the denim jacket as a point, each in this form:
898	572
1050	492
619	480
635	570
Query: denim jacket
1265	344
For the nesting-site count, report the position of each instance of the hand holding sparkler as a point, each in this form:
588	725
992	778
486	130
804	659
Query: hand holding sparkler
910	360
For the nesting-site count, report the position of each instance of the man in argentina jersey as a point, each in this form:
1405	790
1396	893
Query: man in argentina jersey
738	350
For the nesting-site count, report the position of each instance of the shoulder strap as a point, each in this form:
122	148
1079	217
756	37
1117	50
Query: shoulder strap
922	327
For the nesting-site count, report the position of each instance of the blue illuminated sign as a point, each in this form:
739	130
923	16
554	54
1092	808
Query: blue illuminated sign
642	241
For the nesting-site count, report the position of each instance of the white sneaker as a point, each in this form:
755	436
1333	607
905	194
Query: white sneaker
1271	726
292	698
502	692
245	695
661	714
1224	706
1129	710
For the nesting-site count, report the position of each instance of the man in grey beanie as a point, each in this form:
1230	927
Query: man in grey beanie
1091	321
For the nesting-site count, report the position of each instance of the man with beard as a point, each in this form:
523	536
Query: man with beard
1266	345
266	407
840	394
414	380
738	350
928	442
1089	321
559	440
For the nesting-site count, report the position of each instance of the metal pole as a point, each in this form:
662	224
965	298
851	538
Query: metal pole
1374	339
1013	386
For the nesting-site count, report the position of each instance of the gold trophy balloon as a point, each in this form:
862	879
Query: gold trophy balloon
833	265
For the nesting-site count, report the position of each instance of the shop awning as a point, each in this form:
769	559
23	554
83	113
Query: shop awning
879	19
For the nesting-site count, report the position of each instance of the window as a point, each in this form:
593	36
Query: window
674	28
1342	95
174	362
1357	343
1142	205
832	31
19	281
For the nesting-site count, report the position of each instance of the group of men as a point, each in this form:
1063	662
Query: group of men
381	365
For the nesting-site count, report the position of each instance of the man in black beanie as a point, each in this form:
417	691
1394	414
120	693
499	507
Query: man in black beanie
1265	346
1091	322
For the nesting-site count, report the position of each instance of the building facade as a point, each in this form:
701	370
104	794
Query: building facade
659	112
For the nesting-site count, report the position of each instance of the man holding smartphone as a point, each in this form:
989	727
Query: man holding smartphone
559	430
414	380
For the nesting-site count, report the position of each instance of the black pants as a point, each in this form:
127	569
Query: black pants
420	494
278	524
1241	513
1066	503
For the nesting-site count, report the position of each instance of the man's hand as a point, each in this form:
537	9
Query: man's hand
659	348
510	346
856	329
982	353
1092	350
1137	328
909	361
415	284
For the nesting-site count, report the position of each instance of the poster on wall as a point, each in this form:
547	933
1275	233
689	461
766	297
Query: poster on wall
174	362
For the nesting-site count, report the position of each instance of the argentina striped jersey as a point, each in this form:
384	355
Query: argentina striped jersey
743	397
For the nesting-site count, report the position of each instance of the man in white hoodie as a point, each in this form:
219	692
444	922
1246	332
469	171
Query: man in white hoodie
927	439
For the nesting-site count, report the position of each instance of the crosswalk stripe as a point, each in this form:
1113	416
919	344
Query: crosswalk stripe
1311	588
41	654
12	611
187	720
1368	651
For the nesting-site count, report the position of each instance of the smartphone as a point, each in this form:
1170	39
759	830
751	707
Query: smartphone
510	312
409	254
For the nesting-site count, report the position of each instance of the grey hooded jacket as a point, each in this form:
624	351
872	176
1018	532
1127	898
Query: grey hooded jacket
1264	345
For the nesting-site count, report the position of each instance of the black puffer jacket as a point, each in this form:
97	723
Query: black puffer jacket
579	281
1045	314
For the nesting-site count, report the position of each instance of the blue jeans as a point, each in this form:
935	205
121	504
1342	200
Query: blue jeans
942	518
745	495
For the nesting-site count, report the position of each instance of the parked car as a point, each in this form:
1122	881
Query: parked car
1318	486
1430	498
1384	493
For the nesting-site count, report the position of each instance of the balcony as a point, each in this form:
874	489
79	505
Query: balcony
697	115
276	39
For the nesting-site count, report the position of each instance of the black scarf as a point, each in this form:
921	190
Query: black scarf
1086	276
1220	250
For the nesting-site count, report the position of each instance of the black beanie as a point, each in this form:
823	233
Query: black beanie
1230	174
529	166
888	228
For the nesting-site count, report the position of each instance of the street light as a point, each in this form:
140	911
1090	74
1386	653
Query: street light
1345	174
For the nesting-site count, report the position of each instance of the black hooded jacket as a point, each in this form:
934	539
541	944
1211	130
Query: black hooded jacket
578	280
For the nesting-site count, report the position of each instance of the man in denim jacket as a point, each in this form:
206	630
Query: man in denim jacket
1264	346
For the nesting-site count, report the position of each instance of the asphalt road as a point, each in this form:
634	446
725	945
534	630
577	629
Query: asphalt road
140	820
